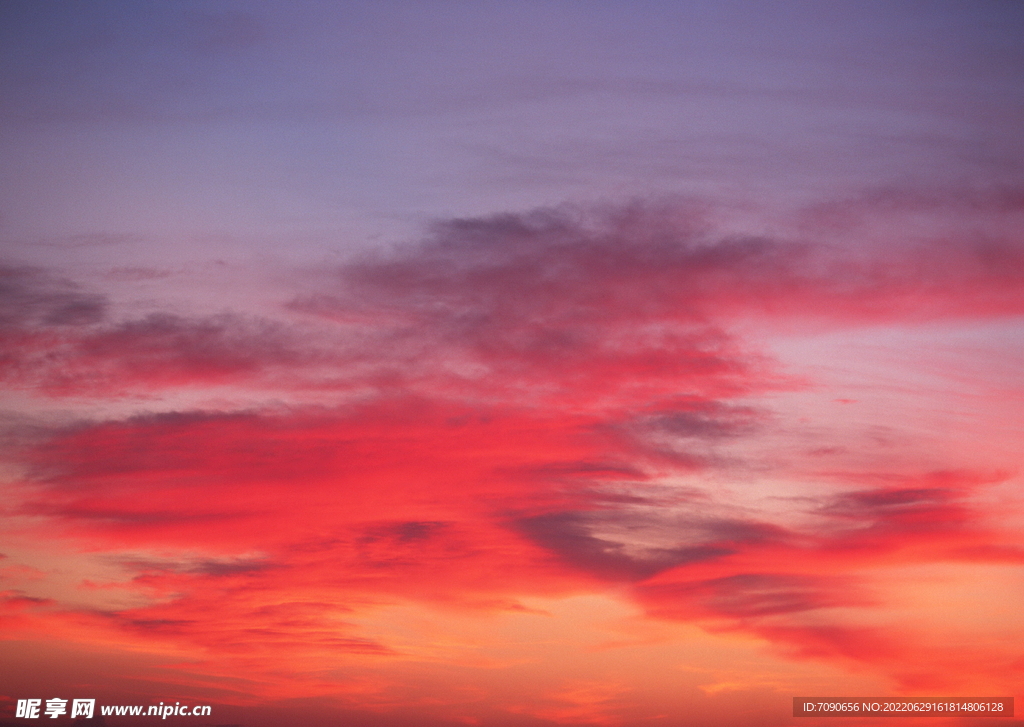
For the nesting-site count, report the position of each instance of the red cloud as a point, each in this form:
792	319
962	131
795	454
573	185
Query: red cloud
530	405
633	303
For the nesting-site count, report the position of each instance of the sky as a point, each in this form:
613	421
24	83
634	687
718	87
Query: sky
524	363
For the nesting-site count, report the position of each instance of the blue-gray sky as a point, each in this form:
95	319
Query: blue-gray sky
359	119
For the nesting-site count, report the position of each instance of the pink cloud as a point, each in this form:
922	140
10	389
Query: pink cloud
521	407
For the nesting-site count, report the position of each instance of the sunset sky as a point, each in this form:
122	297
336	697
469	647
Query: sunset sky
524	363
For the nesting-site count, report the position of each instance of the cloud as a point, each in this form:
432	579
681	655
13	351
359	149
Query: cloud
568	535
818	591
157	352
612	307
519	407
669	263
753	595
29	296
484	508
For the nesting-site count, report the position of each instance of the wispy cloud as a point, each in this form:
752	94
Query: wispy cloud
520	407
